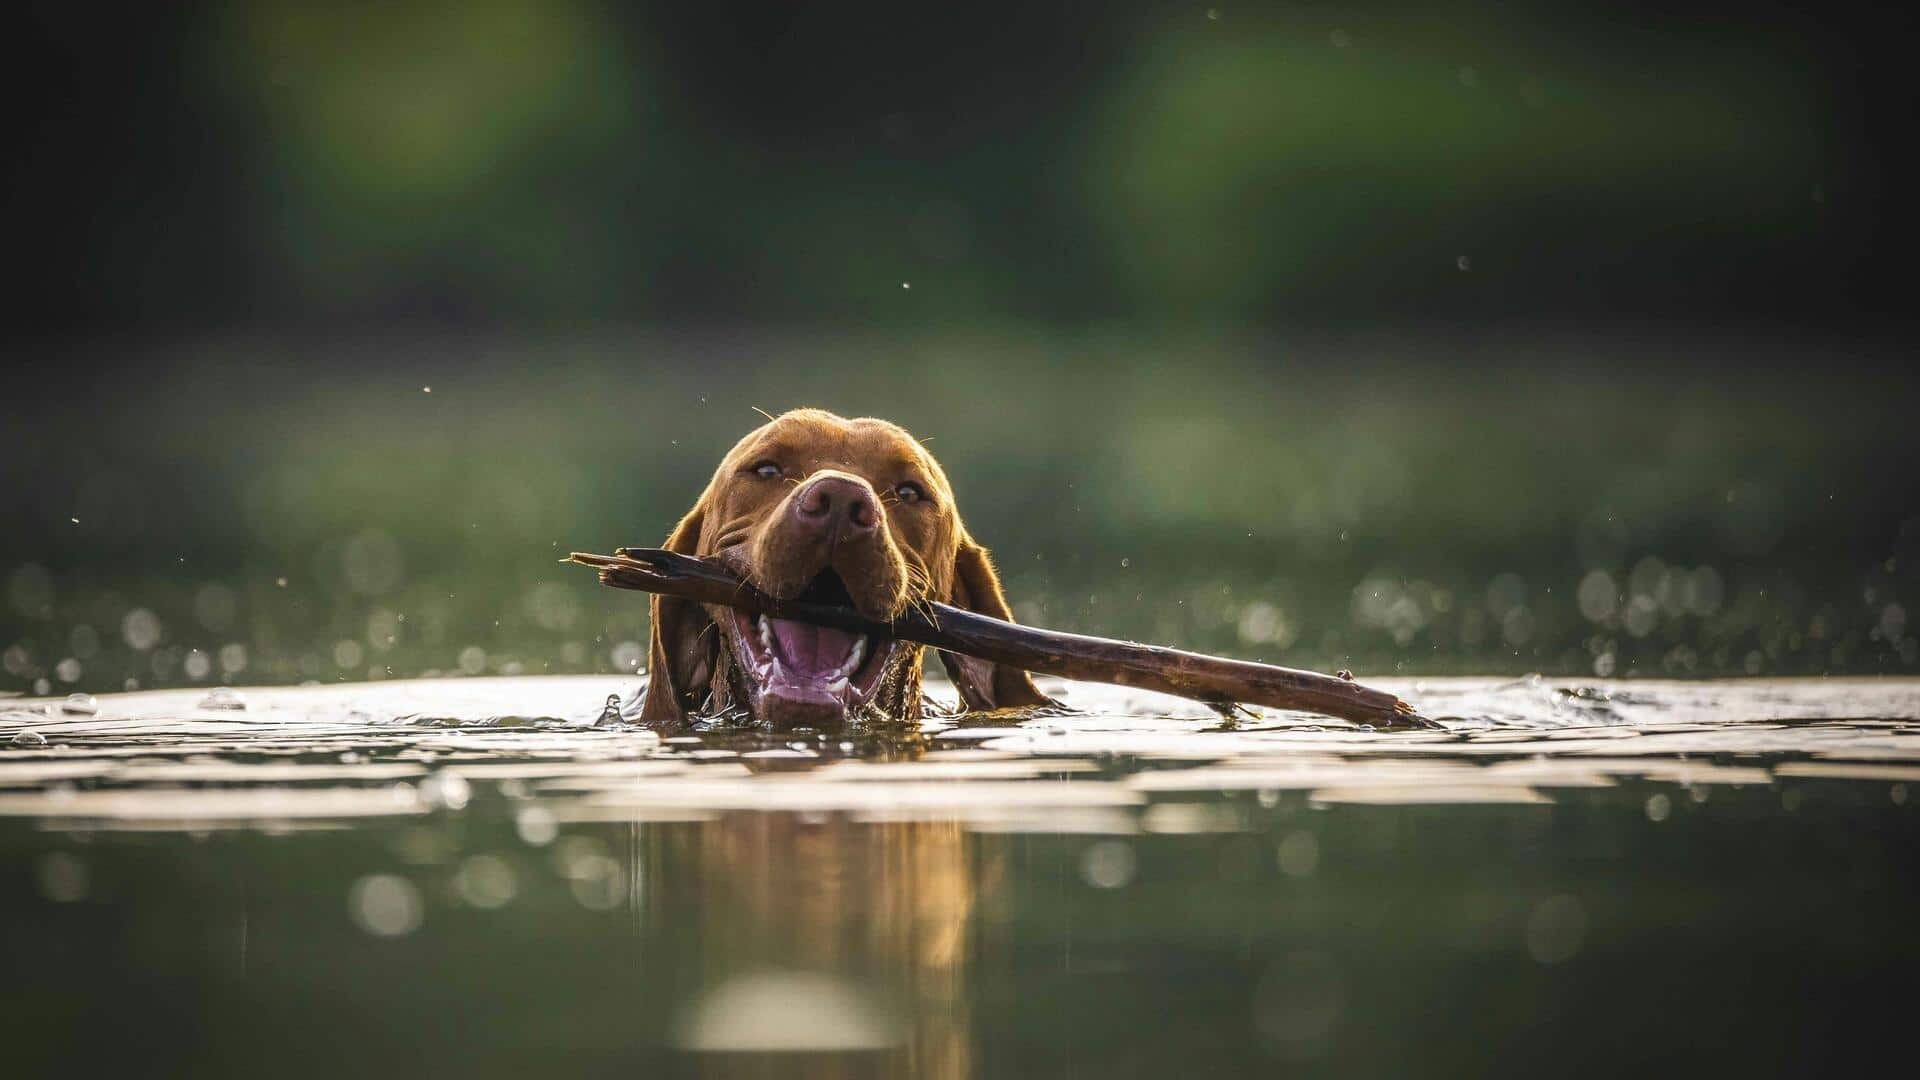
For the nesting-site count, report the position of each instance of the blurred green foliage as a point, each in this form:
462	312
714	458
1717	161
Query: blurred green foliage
1281	161
1308	332
554	163
473	145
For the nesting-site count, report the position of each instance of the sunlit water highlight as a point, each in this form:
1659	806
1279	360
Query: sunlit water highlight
1128	887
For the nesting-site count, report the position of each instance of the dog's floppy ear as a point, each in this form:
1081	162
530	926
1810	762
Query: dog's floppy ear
985	685
683	645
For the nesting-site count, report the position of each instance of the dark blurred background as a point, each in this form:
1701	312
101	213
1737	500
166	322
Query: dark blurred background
1487	338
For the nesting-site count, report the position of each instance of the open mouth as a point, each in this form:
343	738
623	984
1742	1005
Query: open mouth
805	675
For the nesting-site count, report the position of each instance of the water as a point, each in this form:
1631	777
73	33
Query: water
497	877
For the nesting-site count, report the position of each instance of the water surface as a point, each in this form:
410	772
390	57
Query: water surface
491	876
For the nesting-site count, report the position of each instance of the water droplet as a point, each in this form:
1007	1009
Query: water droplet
1108	864
596	882
29	739
536	826
486	881
347	653
446	790
140	629
610	712
224	698
80	704
1299	854
385	905
473	660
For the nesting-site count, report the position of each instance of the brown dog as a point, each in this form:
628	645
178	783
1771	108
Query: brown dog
817	506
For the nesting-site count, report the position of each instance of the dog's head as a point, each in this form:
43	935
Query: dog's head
819	507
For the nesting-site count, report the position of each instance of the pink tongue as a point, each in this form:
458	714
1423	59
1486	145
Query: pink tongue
811	651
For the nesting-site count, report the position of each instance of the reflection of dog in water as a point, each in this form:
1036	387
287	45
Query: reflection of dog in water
844	944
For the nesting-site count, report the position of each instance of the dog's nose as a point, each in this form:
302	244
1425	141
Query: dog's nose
836	505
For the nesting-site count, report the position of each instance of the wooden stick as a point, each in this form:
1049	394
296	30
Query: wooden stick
1216	680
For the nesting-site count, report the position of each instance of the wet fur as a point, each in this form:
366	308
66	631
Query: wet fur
921	552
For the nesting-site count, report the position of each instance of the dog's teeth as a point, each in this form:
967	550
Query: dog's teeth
766	634
837	685
858	654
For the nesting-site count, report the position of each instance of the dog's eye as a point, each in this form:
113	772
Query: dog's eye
909	492
766	470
